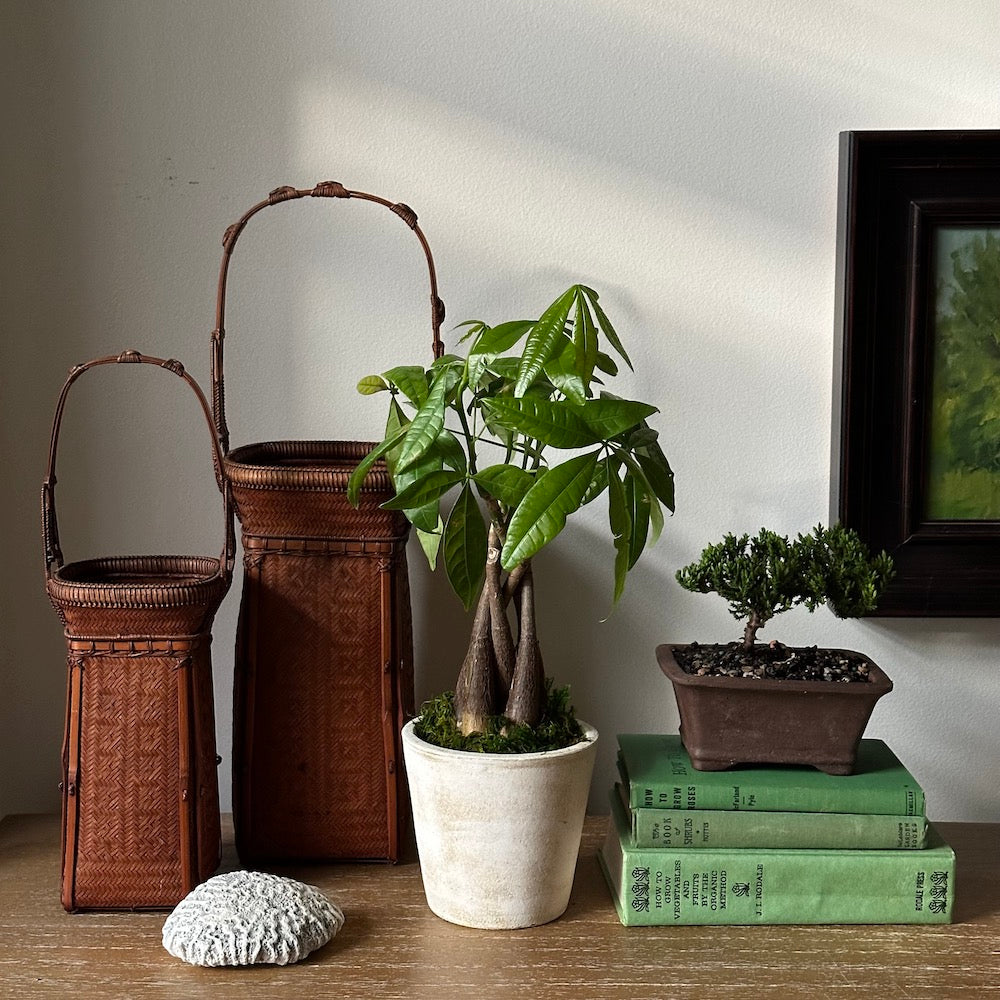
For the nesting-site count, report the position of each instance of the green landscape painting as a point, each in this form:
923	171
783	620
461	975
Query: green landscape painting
963	441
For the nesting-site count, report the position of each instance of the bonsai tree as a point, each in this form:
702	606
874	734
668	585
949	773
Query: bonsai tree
766	575
490	454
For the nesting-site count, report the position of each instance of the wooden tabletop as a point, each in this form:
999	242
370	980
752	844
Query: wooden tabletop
392	946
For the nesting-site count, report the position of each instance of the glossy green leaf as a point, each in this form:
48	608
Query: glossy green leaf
395	421
542	341
639	506
422	518
655	514
371	384
620	520
507	483
563	374
606	364
585	342
552	422
449	449
476	327
430	542
598	484
427	422
608	416
605	324
411	380
427	489
505	369
501	338
465	544
363	467
658	472
542	513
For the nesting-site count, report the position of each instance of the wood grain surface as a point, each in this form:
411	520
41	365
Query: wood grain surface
392	946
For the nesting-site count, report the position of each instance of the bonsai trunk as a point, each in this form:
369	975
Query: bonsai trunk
754	624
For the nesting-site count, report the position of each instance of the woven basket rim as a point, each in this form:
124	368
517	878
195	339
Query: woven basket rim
165	581
304	464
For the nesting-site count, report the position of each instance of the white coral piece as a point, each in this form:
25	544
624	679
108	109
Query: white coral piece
250	918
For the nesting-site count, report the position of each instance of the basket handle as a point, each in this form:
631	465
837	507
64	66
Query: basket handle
50	526
325	189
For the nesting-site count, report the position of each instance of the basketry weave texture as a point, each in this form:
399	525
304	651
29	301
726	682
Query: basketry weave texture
324	660
140	789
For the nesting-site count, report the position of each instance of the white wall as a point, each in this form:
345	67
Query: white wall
680	157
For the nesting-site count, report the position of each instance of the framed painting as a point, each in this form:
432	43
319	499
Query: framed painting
916	442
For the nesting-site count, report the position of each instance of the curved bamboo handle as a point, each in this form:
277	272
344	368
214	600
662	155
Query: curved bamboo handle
325	189
50	525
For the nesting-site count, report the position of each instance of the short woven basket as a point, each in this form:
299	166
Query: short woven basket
140	788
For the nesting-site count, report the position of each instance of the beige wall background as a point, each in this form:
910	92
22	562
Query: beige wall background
681	157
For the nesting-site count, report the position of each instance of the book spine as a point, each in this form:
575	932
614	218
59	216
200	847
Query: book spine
700	828
747	886
687	793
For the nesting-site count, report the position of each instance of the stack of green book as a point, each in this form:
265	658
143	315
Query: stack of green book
771	845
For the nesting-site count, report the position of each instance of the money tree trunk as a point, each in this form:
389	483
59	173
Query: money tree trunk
501	675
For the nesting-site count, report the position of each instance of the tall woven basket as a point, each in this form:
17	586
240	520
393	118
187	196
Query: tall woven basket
324	658
140	797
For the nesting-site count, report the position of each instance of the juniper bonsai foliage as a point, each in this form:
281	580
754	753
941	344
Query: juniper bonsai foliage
768	574
479	453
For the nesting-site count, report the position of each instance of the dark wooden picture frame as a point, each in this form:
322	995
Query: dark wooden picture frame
898	192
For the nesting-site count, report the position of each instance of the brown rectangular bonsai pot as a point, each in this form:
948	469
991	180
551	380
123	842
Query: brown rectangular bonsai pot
727	721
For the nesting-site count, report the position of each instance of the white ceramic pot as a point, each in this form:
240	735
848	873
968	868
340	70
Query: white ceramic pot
498	834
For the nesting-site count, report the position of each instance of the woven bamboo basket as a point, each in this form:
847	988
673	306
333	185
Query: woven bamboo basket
324	649
140	797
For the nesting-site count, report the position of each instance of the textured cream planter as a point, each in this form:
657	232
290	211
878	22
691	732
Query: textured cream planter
498	834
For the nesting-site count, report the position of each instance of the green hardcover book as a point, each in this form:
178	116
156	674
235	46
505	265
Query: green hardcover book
696	829
775	886
658	773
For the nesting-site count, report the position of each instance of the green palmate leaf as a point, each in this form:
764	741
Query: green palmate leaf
500	338
424	517
411	380
363	467
562	372
476	367
655	514
620	520
608	416
542	513
430	542
657	472
428	421
639	506
585	341
552	422
396	421
449	449
605	324
428	489
641	437
446	451
597	485
476	327
371	384
606	364
505	369
506	483
542	341
465	544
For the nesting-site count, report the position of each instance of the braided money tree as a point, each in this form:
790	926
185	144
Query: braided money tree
480	469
